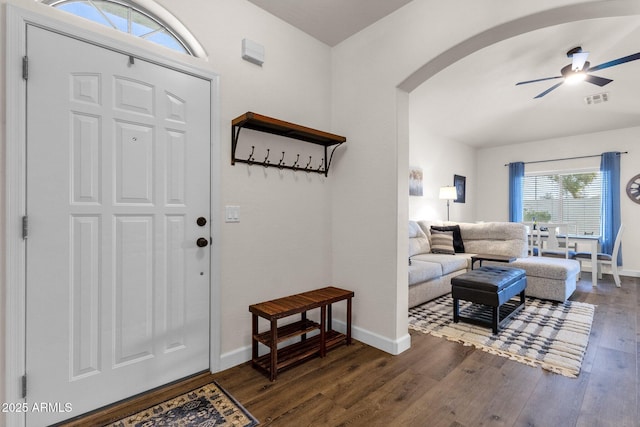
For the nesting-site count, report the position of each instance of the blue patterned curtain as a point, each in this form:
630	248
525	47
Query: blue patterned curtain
516	180
610	210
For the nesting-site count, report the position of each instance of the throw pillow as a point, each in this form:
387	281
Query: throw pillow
442	242
458	244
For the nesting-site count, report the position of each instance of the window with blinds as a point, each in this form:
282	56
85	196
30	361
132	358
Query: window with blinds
564	197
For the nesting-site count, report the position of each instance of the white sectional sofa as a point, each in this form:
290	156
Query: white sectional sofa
430	273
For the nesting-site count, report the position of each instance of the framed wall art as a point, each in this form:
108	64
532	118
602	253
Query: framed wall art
460	182
415	181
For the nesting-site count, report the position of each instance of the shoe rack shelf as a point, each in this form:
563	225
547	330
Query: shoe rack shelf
285	356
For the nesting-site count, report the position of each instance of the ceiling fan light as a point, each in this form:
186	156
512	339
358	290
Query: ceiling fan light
579	59
575	77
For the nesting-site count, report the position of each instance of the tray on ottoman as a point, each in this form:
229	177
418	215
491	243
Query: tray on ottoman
490	286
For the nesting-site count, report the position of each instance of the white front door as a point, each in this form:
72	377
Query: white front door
118	183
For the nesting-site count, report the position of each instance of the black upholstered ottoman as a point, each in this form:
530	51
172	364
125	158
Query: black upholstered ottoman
490	286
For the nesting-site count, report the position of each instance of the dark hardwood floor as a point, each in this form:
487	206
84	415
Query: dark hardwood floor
441	383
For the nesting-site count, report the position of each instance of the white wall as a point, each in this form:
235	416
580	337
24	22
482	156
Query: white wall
493	176
439	159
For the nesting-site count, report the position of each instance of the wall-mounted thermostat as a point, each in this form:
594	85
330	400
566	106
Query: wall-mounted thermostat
252	52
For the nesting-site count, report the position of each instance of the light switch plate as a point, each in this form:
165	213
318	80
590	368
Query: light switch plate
232	213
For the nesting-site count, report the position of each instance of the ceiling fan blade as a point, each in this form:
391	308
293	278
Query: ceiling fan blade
548	90
578	60
616	62
599	81
538	80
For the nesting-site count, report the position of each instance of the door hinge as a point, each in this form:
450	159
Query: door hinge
25	67
24	386
25	227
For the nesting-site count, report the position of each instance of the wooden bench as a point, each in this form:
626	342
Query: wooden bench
284	357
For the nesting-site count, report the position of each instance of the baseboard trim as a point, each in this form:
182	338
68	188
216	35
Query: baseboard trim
235	357
628	273
385	344
394	347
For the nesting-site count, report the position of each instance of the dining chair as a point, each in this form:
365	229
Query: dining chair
556	239
531	237
606	259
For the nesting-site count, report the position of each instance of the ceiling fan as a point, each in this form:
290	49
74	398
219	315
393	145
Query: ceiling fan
580	69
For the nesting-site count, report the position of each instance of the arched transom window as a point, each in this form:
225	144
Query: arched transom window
131	18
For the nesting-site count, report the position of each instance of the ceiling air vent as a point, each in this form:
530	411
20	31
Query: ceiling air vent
597	99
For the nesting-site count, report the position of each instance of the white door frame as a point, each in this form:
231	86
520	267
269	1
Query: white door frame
17	19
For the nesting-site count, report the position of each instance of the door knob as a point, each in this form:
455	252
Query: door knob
202	242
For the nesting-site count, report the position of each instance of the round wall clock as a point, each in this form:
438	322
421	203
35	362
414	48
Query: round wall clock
633	189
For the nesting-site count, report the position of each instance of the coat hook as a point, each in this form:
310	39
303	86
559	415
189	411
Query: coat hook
321	163
251	158
266	159
307	167
280	163
295	164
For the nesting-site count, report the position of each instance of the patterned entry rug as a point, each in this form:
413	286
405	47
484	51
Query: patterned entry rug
548	334
207	406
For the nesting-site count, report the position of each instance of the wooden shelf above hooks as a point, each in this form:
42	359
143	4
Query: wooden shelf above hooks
266	124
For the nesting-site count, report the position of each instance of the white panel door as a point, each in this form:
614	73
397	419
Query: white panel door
118	173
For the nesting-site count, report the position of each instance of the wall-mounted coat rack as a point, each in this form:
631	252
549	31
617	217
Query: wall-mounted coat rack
262	123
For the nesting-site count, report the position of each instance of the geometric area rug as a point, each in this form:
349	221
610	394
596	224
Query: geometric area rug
548	334
206	406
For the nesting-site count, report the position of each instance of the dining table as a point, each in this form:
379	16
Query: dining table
593	240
